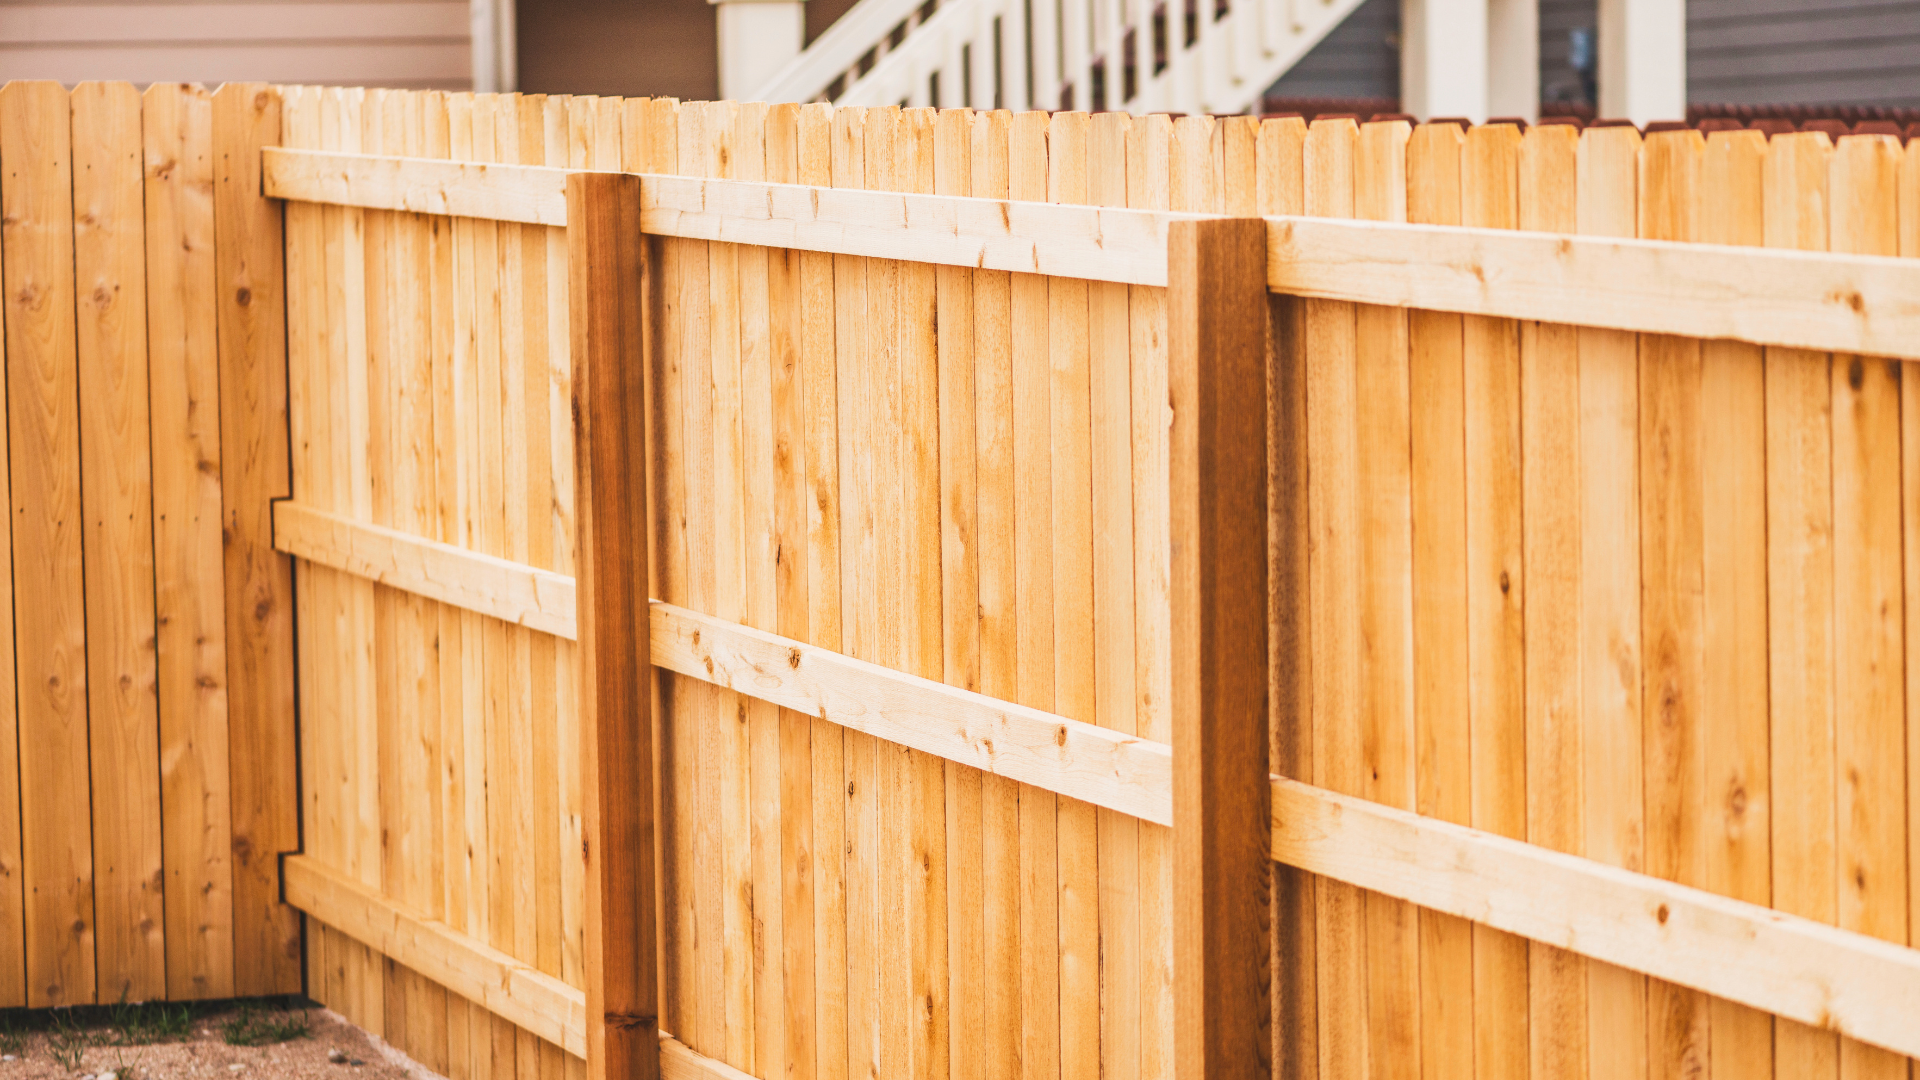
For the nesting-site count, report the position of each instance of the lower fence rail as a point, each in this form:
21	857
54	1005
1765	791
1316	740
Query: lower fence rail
1783	964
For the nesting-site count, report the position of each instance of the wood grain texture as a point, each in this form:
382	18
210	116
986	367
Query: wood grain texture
1216	362
1796	967
1032	746
1441	701
1149	185
1551	490
1738	805
606	263
49	600
189	596
253	436
1800	591
1869	717
1496	599
117	507
1279	185
1336	572
508	987
1612	645
1673	612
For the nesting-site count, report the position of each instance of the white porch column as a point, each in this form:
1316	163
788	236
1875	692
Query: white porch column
495	60
1513	58
757	39
1643	60
1443	58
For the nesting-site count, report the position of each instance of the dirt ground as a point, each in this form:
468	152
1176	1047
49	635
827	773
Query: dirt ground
40	1046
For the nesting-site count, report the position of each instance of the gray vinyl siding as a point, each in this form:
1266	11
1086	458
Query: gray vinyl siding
1739	52
1360	58
1810	52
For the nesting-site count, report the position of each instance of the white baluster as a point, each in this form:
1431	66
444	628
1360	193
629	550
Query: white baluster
1015	80
1044	52
1073	51
981	55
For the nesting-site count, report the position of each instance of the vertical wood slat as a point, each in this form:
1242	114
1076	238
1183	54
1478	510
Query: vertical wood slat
1217	360
1673	615
1734	584
1868	633
1074	684
13	986
1280	188
995	495
1033	652
1551	491
1612	655
56	858
1442	721
117	504
1800	595
184	390
1329	333
606	264
255	470
1149	186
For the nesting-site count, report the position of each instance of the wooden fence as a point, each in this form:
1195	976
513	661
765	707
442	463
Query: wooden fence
1580	564
146	735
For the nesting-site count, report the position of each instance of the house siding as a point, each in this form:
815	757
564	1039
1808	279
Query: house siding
402	43
1739	52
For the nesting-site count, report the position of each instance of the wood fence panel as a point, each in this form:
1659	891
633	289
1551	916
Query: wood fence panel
143	333
1536	615
49	601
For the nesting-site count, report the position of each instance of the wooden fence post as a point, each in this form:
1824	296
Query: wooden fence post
1216	338
255	463
605	254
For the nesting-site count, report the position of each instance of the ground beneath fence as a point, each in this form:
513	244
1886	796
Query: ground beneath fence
150	1043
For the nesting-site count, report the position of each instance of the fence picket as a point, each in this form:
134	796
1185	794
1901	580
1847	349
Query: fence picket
1328	329
997	494
1734	580
1436	344
177	131
49	614
1034	616
117	504
1551	490
1869	717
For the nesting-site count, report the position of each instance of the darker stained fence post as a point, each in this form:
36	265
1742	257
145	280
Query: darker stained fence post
1217	344
605	263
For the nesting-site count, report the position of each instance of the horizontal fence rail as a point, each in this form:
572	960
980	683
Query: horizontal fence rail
1814	300
1790	966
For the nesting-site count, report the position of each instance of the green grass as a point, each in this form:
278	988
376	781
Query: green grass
253	1028
67	1040
149	1022
12	1039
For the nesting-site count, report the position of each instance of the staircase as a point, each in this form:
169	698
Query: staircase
1183	56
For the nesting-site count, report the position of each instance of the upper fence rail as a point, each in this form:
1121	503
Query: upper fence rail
1866	304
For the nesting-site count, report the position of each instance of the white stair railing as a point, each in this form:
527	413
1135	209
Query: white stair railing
1214	56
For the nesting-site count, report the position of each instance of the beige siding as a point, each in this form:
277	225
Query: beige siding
401	44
